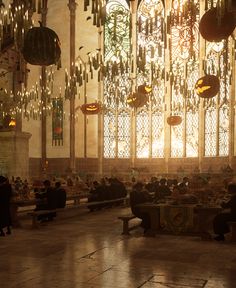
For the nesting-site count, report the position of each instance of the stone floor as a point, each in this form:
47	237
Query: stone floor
87	250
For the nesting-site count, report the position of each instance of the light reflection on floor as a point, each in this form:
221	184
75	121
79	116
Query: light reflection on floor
87	250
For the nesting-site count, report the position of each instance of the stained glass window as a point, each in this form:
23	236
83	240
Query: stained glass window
184	46
151	70
117	84
217	63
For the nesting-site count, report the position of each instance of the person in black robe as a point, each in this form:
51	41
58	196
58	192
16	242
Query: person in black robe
220	221
60	195
139	196
5	197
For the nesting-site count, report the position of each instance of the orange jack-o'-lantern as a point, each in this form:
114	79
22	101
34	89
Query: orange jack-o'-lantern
215	29
58	130
136	100
12	123
207	86
91	108
174	120
144	89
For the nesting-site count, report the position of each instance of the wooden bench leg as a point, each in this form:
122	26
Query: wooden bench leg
233	232
125	227
35	221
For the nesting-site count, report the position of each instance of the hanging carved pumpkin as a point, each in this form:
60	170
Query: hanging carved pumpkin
91	108
12	123
144	89
207	86
215	29
136	100
174	120
41	46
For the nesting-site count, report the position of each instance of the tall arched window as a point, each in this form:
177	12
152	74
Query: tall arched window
184	55
217	109
151	70
117	85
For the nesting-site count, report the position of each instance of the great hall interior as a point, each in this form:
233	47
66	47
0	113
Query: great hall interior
114	95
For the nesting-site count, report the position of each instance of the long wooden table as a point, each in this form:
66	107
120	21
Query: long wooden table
204	216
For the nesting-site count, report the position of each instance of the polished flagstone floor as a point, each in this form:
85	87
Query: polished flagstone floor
88	250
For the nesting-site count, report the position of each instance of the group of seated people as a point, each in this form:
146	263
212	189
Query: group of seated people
179	193
106	189
50	198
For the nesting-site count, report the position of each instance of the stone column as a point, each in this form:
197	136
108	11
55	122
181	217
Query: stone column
44	11
72	7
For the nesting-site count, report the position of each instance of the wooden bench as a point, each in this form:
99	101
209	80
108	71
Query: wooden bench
126	221
104	202
35	214
232	226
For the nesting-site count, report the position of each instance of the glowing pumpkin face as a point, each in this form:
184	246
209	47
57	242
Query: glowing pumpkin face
90	109
174	120
136	100
215	29
207	86
12	123
144	89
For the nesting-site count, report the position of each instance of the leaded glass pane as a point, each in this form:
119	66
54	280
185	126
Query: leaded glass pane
142	135
224	131
177	145
109	134
116	72
124	129
210	132
184	73
192	134
217	63
157	134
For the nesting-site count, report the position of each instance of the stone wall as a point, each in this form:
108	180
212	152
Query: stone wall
14	153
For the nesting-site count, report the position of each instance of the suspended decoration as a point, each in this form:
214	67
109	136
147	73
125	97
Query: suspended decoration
41	46
137	100
207	86
144	89
174	120
98	10
215	27
12	123
57	121
91	108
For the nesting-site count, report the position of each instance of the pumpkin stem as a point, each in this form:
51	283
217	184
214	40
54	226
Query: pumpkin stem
40	23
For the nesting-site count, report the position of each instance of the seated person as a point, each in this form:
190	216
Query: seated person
60	195
49	195
162	191
139	196
184	186
180	198
220	221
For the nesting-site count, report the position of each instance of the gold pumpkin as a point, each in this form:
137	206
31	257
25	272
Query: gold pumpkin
207	86
174	120
91	108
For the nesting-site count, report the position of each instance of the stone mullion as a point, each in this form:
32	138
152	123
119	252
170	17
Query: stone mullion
133	6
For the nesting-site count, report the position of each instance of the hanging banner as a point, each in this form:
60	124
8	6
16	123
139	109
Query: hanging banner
57	122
